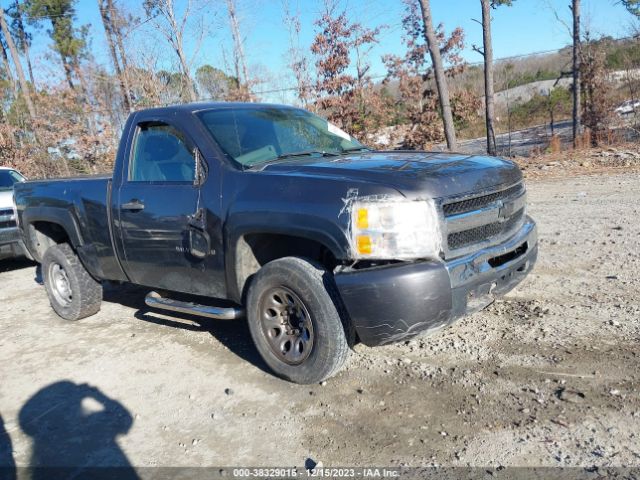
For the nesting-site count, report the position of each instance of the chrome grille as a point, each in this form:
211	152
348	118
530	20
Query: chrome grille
485	219
480	234
7	218
475	203
9	235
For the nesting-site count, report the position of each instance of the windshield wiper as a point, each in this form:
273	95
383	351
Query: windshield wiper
306	153
287	156
355	149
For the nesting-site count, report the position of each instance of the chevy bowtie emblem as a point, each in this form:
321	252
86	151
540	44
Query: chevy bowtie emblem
505	211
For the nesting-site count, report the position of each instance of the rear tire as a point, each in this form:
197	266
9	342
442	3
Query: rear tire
72	292
294	320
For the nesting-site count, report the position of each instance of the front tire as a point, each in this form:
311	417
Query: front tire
72	292
294	320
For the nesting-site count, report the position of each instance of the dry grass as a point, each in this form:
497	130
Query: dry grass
612	158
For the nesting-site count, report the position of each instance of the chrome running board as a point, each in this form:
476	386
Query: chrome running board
155	300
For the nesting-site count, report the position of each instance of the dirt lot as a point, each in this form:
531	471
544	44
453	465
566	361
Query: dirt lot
549	376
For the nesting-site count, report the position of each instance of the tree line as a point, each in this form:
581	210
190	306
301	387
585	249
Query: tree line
49	128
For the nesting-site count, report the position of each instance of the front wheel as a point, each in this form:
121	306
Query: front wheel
73	293
294	320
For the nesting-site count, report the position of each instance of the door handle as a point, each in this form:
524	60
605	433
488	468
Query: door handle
133	205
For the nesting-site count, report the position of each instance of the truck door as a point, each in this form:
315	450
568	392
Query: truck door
160	208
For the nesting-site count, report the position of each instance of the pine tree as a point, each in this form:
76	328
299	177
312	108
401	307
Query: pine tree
69	42
633	6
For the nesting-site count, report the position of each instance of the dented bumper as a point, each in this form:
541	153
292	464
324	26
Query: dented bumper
391	303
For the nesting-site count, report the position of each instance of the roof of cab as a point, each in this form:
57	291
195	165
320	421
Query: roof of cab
200	106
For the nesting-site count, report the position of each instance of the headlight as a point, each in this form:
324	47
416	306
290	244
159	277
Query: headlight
395	230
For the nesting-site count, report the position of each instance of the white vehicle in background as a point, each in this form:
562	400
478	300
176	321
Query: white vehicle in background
10	240
628	107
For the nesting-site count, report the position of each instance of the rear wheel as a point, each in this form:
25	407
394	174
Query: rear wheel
294	320
73	293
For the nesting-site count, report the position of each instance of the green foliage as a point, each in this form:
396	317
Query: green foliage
21	37
18	115
633	6
68	41
174	86
623	55
525	78
214	83
554	106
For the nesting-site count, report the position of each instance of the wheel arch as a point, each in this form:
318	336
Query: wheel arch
48	226
254	248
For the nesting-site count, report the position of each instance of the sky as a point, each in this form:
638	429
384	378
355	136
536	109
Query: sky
527	27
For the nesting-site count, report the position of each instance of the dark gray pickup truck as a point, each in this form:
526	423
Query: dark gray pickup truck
271	213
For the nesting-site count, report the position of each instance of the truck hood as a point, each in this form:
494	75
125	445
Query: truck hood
415	174
6	199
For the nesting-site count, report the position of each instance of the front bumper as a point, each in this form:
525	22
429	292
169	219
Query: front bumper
11	243
392	303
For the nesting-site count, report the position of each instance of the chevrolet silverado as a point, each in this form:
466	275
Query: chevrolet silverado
272	214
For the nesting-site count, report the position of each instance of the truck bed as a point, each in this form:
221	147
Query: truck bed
82	201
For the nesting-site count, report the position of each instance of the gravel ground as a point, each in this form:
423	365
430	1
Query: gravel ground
548	376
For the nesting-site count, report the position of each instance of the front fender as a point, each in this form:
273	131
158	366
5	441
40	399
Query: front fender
332	235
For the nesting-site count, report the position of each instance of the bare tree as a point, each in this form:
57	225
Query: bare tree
24	87
438	69
577	127
173	29
417	102
298	61
7	68
23	37
107	22
596	101
239	60
117	24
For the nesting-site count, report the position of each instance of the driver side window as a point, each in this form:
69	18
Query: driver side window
160	154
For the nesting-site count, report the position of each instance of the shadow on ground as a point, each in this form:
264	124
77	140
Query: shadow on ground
7	463
233	334
73	430
11	264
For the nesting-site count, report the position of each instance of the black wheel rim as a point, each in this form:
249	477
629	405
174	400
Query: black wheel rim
287	325
60	285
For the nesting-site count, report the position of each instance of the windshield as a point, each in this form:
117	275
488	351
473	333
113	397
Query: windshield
253	136
8	178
